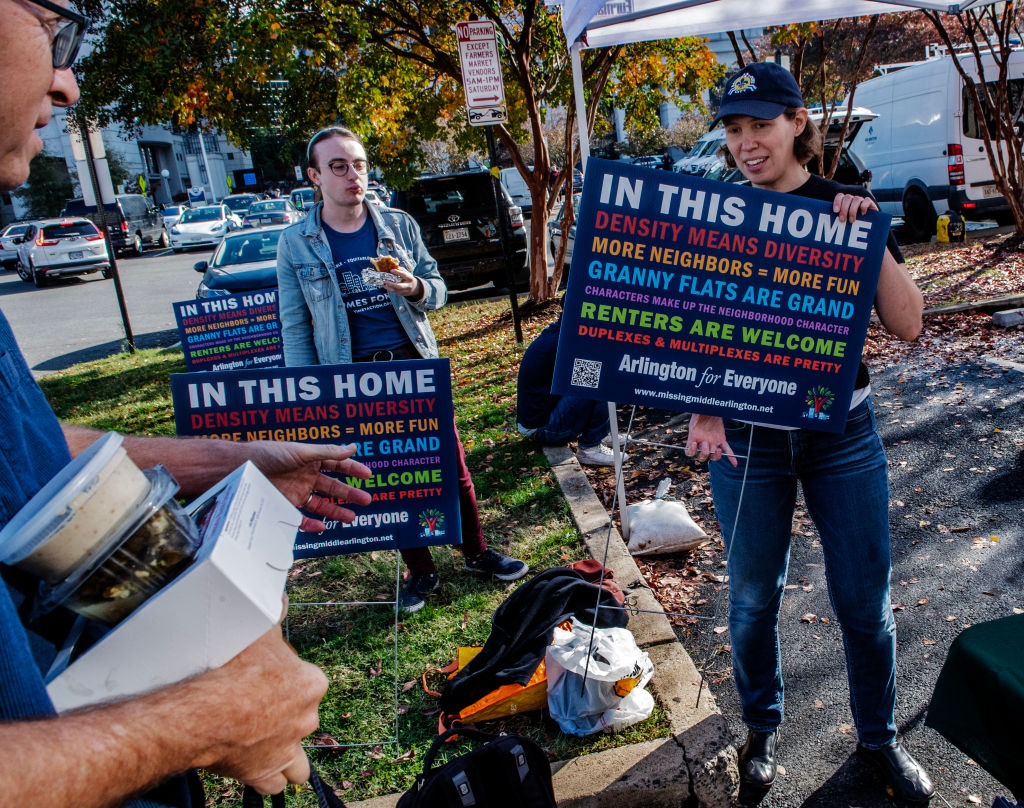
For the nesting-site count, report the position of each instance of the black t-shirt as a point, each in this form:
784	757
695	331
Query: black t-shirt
826	190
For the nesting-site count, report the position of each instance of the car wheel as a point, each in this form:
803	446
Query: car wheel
919	215
23	272
137	244
165	240
107	274
39	279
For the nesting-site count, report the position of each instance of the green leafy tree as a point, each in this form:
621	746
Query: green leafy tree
389	69
48	189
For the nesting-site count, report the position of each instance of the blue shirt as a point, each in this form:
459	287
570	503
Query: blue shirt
374	324
32	451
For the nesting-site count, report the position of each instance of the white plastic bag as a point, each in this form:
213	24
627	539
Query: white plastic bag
616	663
662	526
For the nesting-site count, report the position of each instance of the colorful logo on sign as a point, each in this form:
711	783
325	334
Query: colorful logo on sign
432	522
819	399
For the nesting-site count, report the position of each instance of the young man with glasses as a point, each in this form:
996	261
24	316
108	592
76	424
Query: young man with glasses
329	315
244	720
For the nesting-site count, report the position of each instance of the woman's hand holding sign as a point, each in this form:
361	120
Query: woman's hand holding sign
849	206
706	439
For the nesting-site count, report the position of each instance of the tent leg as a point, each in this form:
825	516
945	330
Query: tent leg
620	485
581	103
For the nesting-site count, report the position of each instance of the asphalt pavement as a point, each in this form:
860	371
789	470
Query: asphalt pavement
955	441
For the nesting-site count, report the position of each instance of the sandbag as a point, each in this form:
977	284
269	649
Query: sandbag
662	526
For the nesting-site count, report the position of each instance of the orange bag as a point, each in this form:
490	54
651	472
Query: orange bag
502	701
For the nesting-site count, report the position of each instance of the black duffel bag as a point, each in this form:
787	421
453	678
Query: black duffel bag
507	771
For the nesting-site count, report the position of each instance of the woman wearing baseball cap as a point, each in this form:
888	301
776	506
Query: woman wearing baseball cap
845	477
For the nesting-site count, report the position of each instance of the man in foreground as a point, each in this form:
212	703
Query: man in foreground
244	720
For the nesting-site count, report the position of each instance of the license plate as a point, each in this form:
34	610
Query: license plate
265	221
456	234
989	191
76	256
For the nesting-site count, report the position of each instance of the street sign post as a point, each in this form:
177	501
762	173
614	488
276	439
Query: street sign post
485	105
481	72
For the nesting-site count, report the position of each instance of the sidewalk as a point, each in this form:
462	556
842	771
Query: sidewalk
697	765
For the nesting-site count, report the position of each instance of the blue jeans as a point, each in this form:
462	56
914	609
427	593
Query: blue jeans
572	418
846	487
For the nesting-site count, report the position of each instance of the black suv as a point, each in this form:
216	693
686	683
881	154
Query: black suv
457	216
132	221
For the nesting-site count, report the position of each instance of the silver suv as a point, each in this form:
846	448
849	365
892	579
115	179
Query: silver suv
59	248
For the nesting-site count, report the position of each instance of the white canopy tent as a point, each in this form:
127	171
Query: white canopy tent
599	23
603	23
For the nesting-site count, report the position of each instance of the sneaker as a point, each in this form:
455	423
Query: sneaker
491	562
411	598
599	455
607	440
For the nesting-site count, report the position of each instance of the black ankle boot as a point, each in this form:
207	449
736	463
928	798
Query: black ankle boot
906	776
757	759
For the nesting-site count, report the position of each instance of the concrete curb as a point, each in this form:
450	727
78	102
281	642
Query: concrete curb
701	733
696	767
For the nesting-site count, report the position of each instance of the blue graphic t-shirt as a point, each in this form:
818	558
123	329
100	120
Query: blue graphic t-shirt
373	324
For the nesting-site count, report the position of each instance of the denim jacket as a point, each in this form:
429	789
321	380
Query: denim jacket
314	322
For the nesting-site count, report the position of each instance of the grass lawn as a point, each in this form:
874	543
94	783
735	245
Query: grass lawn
523	514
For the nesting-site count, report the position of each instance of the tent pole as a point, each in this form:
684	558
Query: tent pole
581	123
581	103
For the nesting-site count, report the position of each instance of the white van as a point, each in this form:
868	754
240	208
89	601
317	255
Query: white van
924	151
702	155
517	188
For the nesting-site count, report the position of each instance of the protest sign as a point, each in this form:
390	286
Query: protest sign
231	332
398	413
700	296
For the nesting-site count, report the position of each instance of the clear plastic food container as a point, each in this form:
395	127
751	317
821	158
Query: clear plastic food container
154	547
76	513
103	536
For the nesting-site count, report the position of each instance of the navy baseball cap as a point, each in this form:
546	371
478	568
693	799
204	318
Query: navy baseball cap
761	90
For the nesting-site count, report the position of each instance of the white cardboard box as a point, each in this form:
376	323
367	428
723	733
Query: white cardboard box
228	598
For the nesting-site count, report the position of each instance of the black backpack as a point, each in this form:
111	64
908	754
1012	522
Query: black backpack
508	771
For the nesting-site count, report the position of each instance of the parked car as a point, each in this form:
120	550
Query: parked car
171	214
60	248
132	221
457	217
555	229
302	198
373	198
271	211
648	161
243	262
702	154
204	225
8	245
381	190
239	203
512	181
927	149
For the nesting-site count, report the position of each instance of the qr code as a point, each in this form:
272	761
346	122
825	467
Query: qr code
586	373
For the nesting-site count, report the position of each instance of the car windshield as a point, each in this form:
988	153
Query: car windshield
69	230
171	211
266	207
15	230
450	195
257	245
212	214
238	202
